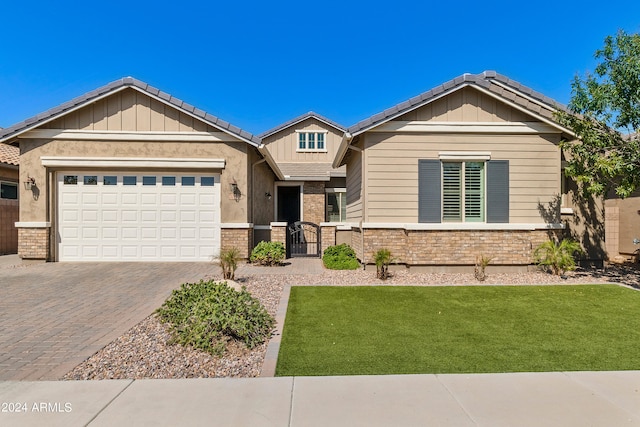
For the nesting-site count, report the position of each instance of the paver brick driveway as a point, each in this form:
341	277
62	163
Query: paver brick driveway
55	315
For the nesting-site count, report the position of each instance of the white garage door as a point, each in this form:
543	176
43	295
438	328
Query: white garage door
138	216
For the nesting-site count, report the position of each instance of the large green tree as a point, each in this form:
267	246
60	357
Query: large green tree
604	113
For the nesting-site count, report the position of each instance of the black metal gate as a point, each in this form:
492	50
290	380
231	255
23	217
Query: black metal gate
304	239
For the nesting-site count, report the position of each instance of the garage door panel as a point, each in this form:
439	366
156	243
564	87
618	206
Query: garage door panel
109	233
90	251
89	215
149	199
129	199
187	233
109	216
130	233
176	219
149	233
129	216
90	233
110	252
90	198
69	232
187	199
109	199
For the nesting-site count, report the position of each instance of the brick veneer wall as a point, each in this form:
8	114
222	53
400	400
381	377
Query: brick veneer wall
313	202
452	247
328	235
9	212
33	243
279	233
239	238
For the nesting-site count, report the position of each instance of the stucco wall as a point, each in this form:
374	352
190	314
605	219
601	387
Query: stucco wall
234	153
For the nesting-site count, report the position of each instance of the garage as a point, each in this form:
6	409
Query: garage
137	216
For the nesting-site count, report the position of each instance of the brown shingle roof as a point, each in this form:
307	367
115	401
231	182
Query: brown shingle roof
9	154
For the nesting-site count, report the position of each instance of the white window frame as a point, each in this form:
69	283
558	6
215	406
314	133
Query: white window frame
12	184
343	193
315	133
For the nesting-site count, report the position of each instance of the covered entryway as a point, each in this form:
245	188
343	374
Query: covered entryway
138	216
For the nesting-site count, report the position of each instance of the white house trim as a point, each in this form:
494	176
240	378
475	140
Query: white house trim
447	226
228	225
33	224
131	162
464	155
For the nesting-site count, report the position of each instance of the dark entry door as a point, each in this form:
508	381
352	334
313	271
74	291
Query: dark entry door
289	204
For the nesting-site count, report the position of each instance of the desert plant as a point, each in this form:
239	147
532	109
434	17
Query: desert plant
229	259
481	264
382	259
557	256
206	315
340	257
268	253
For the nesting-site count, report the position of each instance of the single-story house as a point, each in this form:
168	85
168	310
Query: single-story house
470	168
9	162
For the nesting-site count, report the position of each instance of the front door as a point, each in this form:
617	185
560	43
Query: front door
289	204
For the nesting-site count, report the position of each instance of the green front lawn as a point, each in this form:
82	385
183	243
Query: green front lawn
402	330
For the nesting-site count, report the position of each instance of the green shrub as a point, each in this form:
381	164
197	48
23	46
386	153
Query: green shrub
206	315
268	253
340	257
229	259
383	259
558	257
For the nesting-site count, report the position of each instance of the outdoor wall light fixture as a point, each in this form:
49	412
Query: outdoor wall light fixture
29	183
267	195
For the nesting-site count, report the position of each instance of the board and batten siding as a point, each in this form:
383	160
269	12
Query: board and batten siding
130	110
283	145
392	171
466	105
354	186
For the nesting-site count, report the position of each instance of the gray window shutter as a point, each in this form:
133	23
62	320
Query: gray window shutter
498	191
429	190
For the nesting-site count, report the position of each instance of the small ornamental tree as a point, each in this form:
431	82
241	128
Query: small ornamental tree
604	113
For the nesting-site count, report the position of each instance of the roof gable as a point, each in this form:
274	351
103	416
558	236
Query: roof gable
56	113
300	119
489	82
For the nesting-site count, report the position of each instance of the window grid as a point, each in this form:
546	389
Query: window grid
312	141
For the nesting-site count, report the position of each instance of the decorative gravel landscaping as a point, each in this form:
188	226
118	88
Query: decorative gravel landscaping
144	352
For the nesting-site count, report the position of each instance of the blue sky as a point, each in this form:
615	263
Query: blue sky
258	64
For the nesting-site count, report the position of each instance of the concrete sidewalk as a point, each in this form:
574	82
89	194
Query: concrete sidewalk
522	399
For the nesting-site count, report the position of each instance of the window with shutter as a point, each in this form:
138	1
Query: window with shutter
463	191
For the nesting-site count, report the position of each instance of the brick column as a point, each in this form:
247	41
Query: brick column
279	232
328	235
313	202
33	242
240	238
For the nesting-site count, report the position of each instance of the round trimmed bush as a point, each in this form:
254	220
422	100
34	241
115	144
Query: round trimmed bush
340	257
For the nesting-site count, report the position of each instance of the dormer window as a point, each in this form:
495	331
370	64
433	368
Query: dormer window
312	141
